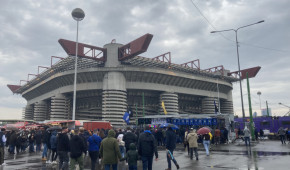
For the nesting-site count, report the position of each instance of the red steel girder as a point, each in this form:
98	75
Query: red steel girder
92	53
166	57
41	67
54	57
134	48
31	75
252	72
216	69
192	64
13	88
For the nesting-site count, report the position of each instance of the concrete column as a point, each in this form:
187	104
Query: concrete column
59	107
40	111
114	97
28	112
171	103
227	107
208	105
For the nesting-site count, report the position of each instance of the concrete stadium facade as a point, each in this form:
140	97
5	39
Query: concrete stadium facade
106	89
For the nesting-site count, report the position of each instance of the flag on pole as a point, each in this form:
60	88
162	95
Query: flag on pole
163	106
126	118
216	110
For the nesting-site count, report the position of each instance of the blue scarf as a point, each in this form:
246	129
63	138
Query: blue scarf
148	131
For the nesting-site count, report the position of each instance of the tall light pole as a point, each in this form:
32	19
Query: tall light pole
259	94
237	44
78	15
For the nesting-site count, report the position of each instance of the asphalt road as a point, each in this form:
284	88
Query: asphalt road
265	155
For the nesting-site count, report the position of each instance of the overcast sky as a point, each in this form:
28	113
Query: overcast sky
30	29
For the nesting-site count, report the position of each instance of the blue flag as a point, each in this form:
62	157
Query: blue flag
126	117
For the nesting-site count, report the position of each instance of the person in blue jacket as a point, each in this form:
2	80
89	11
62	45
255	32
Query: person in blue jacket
94	146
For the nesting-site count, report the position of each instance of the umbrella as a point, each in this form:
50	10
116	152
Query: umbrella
165	125
203	131
54	128
10	128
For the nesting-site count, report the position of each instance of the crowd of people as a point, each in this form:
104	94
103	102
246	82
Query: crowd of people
70	147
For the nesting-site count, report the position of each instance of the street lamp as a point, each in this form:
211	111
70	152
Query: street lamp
259	94
78	15
237	44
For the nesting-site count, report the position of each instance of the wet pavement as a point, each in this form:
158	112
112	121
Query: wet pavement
265	155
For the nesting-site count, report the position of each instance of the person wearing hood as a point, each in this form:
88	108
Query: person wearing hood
147	148
247	135
77	148
53	145
170	145
192	142
132	157
110	151
63	148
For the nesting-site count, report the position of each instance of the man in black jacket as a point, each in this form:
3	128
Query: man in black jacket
77	147
146	148
170	145
129	138
63	148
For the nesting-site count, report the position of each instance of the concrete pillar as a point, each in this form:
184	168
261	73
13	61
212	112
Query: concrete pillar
59	107
227	107
40	111
114	97
28	112
208	105
171	103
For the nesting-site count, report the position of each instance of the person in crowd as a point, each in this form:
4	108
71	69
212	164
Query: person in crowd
102	134
63	147
131	157
226	135
53	146
12	142
159	137
38	139
217	136
288	135
31	141
46	143
170	145
2	145
85	136
18	143
94	148
23	142
185	142
77	148
206	142
247	135
256	134
192	141
261	134
147	148
110	151
129	137
121	144
282	133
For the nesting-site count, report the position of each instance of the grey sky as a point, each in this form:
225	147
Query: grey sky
30	29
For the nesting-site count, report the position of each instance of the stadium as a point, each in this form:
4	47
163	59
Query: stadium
115	78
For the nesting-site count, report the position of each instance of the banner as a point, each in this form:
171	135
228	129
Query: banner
163	106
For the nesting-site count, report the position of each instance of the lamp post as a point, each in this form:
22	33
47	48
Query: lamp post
259	94
78	15
237	44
